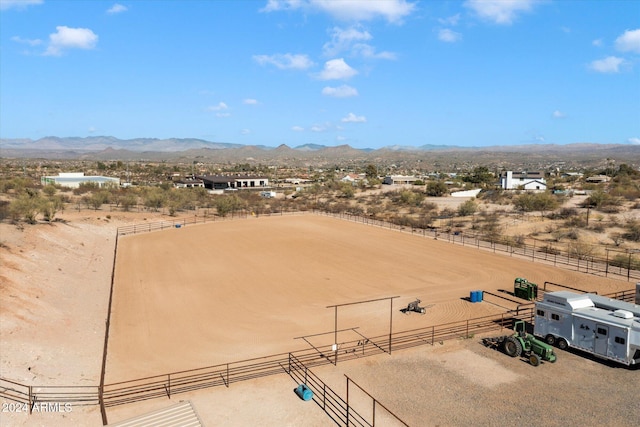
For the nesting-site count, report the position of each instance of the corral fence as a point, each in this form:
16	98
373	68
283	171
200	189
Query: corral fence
338	409
170	384
166	385
617	262
176	223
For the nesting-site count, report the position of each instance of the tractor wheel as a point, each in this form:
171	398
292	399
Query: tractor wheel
512	347
550	339
562	344
534	359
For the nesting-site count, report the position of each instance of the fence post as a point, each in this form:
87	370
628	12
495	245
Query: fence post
30	399
227	375
324	396
347	423
533	254
169	385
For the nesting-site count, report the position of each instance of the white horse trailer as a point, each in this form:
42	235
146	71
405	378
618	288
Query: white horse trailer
568	319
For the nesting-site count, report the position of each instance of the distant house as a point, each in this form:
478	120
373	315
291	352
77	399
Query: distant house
399	179
597	179
74	179
188	183
523	180
226	182
352	177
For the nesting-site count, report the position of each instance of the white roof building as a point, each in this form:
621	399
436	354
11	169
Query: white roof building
74	179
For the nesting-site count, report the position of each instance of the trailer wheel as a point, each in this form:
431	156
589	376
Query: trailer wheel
534	359
562	344
512	347
550	339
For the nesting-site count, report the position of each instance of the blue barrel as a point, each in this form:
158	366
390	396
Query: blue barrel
304	392
473	296
480	296
178	225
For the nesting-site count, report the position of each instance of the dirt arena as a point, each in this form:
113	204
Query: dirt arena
231	290
207	294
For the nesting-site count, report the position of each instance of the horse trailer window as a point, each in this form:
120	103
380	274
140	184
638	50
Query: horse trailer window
619	340
540	313
602	331
555	317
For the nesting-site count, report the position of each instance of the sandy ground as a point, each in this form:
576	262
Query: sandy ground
222	292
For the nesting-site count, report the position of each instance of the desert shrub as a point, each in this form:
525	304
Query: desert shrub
625	261
86	187
611	209
548	249
580	250
575	221
429	206
563	213
632	231
467	208
436	189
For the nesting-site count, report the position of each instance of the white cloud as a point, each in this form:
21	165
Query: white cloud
245	131
558	114
297	128
352	118
449	36
367	51
353	40
348	10
344	91
219	108
500	11
597	42
355	10
285	61
341	138
635	141
318	128
336	69
250	101
629	41
277	5
70	38
450	20
17	4
343	39
610	64
117	8
30	42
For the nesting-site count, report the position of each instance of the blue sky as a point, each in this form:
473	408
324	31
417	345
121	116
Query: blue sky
332	72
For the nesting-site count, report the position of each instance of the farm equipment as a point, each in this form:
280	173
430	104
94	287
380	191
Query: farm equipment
415	307
523	344
522	288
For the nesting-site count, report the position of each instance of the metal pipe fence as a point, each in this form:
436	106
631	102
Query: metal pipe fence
169	384
536	252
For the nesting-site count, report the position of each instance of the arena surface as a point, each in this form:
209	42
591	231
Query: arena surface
227	291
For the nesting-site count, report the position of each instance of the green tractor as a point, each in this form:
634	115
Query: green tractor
522	288
523	344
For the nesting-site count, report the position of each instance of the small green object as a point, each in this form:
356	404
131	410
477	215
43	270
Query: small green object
522	288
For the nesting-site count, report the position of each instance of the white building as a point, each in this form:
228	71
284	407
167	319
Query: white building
399	180
523	181
74	179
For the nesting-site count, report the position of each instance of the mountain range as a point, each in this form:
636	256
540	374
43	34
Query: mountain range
189	149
